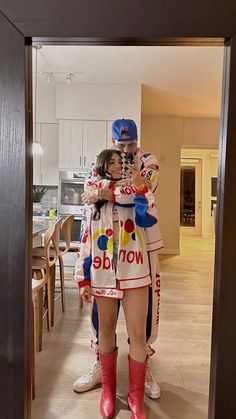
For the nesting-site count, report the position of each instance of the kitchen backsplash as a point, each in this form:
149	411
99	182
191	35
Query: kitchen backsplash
50	198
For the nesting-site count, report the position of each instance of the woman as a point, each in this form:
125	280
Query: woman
113	264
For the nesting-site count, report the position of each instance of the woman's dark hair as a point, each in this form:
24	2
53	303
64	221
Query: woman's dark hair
102	162
101	165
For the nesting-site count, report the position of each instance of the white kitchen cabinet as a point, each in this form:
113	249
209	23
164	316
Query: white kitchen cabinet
94	141
49	158
45	166
80	142
37	158
70	144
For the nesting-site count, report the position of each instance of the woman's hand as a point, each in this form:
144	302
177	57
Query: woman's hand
93	195
136	179
85	293
90	196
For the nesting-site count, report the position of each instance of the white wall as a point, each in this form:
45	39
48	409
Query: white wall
165	136
98	101
88	101
46	102
162	136
200	132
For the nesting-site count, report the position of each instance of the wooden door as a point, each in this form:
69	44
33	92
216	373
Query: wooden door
16	221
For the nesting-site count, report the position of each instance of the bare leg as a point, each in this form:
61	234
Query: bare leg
107	316
135	304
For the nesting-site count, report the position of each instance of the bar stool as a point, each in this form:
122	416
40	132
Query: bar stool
42	281
65	228
39	266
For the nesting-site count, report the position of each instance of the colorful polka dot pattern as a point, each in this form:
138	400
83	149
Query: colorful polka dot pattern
104	239
128	232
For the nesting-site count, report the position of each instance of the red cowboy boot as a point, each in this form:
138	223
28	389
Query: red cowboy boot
108	396
137	371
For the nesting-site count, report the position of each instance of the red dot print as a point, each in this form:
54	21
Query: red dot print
129	226
109	232
85	236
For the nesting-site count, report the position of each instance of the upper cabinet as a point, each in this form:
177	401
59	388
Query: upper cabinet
45	166
94	141
49	160
70	144
80	142
37	158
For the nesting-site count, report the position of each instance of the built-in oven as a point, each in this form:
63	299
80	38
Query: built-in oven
71	187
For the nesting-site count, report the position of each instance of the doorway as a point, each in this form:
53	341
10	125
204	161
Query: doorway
191	197
160	134
16	45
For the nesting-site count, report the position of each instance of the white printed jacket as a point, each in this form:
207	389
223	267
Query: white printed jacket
139	234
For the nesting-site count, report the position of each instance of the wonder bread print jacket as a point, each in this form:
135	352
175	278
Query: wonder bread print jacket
139	234
148	166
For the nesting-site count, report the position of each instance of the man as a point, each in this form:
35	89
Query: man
124	139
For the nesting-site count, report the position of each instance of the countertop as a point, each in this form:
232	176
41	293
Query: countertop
41	224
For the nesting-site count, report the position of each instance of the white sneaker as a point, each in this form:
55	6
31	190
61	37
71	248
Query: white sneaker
151	388
89	379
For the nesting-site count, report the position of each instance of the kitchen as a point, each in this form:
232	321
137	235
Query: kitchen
80	90
73	123
150	25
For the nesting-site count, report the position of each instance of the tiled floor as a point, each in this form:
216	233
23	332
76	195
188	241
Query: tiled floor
181	363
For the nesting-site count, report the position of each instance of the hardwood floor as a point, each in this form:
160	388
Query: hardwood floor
181	362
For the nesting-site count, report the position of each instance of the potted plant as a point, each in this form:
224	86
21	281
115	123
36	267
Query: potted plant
38	193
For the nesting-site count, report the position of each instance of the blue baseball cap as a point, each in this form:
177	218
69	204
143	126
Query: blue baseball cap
128	126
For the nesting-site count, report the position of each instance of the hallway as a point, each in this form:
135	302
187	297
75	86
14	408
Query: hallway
182	355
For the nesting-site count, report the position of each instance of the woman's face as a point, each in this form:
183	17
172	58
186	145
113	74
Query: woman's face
114	166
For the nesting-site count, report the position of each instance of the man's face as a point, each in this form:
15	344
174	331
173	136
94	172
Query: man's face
126	146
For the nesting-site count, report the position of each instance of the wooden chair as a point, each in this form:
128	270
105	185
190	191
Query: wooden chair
46	260
65	228
66	232
43	280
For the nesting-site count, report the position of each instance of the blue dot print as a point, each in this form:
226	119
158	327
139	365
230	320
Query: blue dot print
102	242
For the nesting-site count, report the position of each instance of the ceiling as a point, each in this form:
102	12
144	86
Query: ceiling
184	81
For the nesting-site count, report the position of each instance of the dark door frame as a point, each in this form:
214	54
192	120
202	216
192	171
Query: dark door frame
16	204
